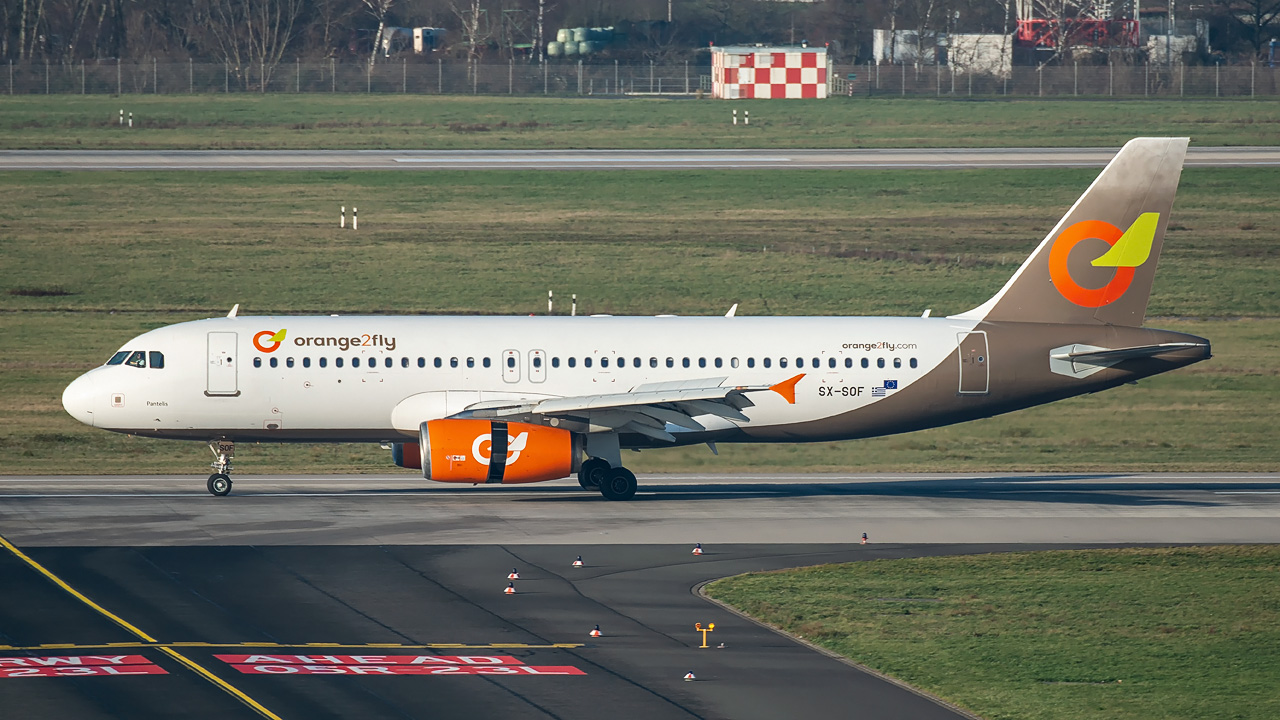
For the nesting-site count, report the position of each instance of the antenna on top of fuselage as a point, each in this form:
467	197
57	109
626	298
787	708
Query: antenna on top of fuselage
732	311
234	309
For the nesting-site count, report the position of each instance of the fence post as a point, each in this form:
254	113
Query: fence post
118	87
544	77
404	75
616	88
226	78
82	77
368	79
511	76
297	78
1111	77
650	76
439	76
686	77
971	83
937	76
191	77
579	77
904	79
11	77
333	76
1253	70
475	77
1075	78
1040	80
1182	79
1217	80
262	76
1146	79
877	73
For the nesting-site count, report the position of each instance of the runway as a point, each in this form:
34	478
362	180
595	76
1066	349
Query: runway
354	596
792	159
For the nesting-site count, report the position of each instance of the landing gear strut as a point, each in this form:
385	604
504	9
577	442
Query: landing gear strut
220	482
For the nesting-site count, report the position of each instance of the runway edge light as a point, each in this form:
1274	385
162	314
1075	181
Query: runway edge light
688	677
513	575
511	589
596	632
697	548
578	563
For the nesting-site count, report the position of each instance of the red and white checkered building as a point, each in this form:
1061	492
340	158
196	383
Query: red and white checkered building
765	72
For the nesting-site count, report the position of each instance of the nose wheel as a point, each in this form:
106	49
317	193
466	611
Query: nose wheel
219	484
220	481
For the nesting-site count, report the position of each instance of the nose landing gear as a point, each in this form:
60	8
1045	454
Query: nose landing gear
220	482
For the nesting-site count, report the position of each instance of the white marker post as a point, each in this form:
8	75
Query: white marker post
735	116
130	119
549	299
746	117
573	308
343	222
122	116
355	219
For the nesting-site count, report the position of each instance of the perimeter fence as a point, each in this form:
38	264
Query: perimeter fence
614	78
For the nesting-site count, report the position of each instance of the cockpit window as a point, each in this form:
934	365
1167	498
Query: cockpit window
137	359
118	357
157	360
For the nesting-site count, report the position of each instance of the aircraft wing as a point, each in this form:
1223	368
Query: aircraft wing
645	409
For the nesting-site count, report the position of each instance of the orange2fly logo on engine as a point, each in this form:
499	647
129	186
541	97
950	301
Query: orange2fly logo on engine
268	340
1129	250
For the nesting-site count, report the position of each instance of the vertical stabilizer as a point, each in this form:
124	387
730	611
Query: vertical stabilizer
1098	262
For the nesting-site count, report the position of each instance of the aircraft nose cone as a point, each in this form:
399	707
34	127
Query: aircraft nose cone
77	400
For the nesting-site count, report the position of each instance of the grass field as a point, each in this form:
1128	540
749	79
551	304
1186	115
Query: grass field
455	122
1176	633
132	251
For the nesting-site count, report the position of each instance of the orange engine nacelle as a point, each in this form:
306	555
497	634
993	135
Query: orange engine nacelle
490	451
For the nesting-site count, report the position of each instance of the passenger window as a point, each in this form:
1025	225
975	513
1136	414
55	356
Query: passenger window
799	362
438	363
537	361
404	362
733	362
137	359
157	360
653	362
768	362
337	362
879	362
355	362
913	363
453	362
486	362
702	362
118	357
848	362
831	362
782	362
865	364
288	362
471	362
257	362
719	362
511	362
422	362
586	362
604	362
751	362
555	362
671	362
275	362
635	362
306	362
387	362
324	362
685	362
897	362
573	362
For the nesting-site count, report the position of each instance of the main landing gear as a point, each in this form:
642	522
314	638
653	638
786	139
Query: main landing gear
220	482
614	483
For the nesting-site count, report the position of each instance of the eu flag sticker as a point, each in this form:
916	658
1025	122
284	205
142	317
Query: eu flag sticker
890	384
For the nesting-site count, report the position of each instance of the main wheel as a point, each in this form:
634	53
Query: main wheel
593	473
619	484
219	484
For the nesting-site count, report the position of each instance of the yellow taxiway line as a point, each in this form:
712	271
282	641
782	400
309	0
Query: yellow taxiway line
167	649
340	646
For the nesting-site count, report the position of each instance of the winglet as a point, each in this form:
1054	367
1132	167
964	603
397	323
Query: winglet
787	389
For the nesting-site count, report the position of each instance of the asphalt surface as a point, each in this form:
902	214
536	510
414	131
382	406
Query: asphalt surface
304	595
940	158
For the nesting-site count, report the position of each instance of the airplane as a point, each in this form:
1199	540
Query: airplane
528	399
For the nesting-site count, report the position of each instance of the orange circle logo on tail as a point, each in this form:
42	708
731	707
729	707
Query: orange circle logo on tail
1060	274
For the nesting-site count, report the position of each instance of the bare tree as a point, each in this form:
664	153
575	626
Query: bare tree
1254	17
378	9
244	33
475	30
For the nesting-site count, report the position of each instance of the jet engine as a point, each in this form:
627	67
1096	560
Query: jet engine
490	451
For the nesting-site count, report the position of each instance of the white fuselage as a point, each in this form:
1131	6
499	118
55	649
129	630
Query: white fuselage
376	378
